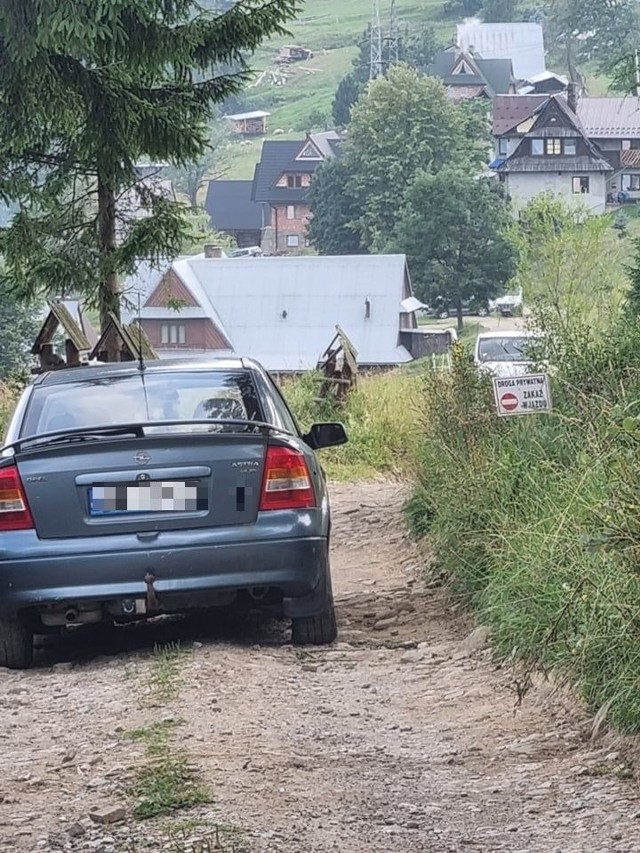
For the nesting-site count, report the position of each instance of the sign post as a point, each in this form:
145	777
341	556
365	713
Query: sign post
522	395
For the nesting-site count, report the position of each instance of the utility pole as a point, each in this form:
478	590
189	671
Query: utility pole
377	62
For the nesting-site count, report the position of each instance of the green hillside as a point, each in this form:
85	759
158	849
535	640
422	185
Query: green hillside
331	29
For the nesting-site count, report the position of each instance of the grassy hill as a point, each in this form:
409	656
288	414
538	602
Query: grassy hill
331	29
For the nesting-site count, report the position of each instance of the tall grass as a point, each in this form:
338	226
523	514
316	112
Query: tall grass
529	517
381	416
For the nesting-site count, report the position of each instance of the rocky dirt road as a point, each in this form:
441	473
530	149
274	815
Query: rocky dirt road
401	738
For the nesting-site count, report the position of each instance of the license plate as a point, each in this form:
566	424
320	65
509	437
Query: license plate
153	496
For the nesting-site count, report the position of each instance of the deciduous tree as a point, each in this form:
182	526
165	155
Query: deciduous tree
454	229
404	124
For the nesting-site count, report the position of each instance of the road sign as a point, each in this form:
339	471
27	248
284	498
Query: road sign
522	395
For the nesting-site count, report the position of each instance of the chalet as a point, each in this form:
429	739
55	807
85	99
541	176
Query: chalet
232	211
585	149
467	75
280	186
523	44
249	124
284	311
546	83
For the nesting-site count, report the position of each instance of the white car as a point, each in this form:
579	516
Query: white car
505	353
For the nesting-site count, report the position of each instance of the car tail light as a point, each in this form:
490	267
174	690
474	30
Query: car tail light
14	509
287	482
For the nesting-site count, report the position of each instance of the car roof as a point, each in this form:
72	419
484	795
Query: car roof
132	368
511	333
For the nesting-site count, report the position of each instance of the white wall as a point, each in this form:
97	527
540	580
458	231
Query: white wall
522	187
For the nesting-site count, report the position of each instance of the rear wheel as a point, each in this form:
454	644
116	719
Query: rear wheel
317	630
16	643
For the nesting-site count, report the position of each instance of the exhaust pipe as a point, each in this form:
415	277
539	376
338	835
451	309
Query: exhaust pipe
259	593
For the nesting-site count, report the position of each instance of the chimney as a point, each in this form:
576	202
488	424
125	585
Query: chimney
572	97
211	251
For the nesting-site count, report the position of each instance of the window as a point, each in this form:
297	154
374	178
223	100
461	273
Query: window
537	147
570	147
580	184
294	182
174	395
173	333
291	211
503	147
554	146
293	241
630	183
626	144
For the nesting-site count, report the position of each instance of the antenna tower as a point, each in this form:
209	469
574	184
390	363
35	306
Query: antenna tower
394	36
377	62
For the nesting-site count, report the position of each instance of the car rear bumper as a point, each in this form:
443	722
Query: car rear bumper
184	566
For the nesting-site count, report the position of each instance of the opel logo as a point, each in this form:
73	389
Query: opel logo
142	457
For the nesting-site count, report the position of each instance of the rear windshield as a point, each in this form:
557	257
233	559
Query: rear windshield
143	398
504	349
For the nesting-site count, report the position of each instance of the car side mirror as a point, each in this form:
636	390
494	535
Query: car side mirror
326	435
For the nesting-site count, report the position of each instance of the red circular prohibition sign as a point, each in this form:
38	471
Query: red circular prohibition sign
509	402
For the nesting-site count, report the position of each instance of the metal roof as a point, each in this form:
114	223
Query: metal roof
283	311
610	118
523	44
140	285
254	114
511	110
601	118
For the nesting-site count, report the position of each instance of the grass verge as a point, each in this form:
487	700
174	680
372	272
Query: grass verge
534	520
381	416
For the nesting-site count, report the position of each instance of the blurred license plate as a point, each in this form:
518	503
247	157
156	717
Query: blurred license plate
173	496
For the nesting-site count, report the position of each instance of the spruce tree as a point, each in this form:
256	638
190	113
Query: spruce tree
88	91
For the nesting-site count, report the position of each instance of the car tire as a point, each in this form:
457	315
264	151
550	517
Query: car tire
443	315
16	643
320	630
483	312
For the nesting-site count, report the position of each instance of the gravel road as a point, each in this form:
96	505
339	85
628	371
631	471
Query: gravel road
401	738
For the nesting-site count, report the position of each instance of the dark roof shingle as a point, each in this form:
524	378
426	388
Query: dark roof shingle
231	208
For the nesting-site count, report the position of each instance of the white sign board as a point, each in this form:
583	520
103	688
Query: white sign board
522	395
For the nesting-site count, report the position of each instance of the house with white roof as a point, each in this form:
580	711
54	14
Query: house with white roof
523	44
283	311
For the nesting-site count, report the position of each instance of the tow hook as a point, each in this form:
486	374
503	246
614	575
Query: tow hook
153	602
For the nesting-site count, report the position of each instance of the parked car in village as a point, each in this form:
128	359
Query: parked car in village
442	309
128	491
508	305
506	353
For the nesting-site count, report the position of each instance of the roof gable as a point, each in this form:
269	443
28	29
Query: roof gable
171	291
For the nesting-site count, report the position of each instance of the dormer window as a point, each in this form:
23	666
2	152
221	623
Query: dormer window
570	147
554	147
294	182
503	147
537	147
